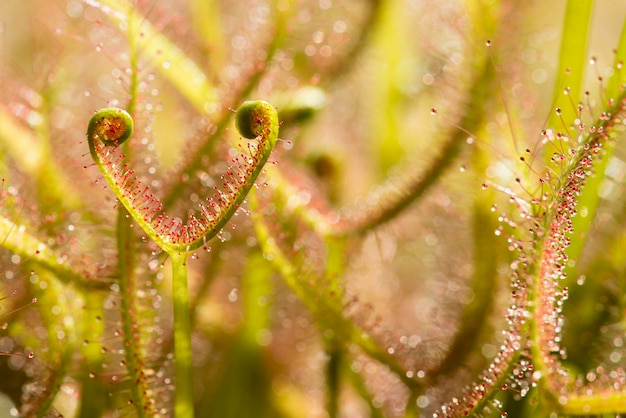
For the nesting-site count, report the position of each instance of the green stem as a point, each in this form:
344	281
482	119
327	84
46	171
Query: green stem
144	405
92	404
127	262
411	410
572	60
198	297
335	266
333	376
357	381
183	403
601	403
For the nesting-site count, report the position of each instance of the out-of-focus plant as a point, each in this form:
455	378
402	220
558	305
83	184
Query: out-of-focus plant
252	209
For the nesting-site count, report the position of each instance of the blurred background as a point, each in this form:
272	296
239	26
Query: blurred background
354	82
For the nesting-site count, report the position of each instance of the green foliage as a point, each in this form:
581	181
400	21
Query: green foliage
382	258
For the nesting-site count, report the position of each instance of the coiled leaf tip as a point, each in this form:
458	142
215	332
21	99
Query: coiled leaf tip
111	125
250	116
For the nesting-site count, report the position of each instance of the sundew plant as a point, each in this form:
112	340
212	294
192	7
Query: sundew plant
312	208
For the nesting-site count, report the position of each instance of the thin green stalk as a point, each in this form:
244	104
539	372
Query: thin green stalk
183	393
126	262
486	254
609	402
333	376
572	59
412	410
358	384
92	403
243	381
198	297
143	400
619	78
335	265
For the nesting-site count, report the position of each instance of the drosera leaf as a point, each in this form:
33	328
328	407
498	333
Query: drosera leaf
590	198
171	235
257	120
329	314
547	295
